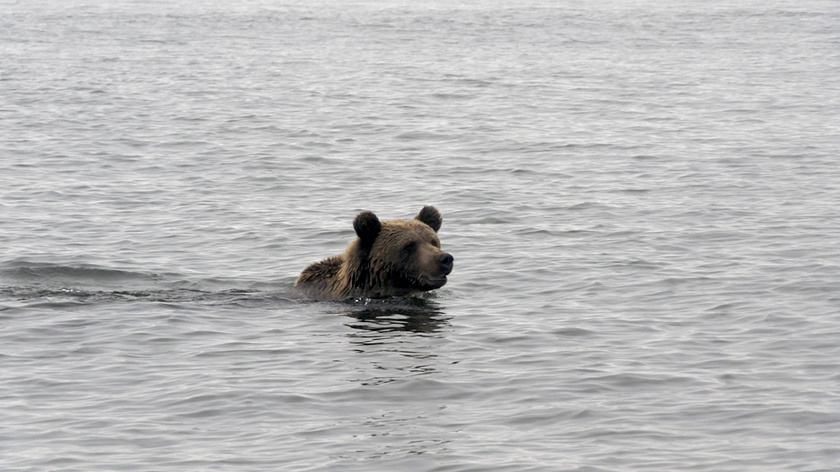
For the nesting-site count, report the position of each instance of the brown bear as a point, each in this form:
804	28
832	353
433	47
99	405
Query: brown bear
390	258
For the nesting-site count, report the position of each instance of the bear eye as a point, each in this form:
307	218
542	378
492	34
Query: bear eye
435	243
410	247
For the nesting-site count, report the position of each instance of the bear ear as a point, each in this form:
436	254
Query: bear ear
367	227
431	216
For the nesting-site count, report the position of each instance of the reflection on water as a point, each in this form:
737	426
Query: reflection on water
395	340
415	315
385	321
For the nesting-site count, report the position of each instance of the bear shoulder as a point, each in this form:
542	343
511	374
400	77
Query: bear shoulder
320	277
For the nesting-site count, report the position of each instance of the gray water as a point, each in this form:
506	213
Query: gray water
641	198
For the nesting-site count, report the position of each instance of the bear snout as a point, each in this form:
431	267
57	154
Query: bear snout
446	260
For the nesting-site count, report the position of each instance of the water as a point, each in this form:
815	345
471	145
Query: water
641	198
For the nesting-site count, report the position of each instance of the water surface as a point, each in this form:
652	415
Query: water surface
641	200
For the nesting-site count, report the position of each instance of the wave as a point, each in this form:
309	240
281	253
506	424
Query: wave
31	284
23	272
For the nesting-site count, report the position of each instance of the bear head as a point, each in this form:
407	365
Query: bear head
397	257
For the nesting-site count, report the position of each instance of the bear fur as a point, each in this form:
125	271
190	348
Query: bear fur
390	258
